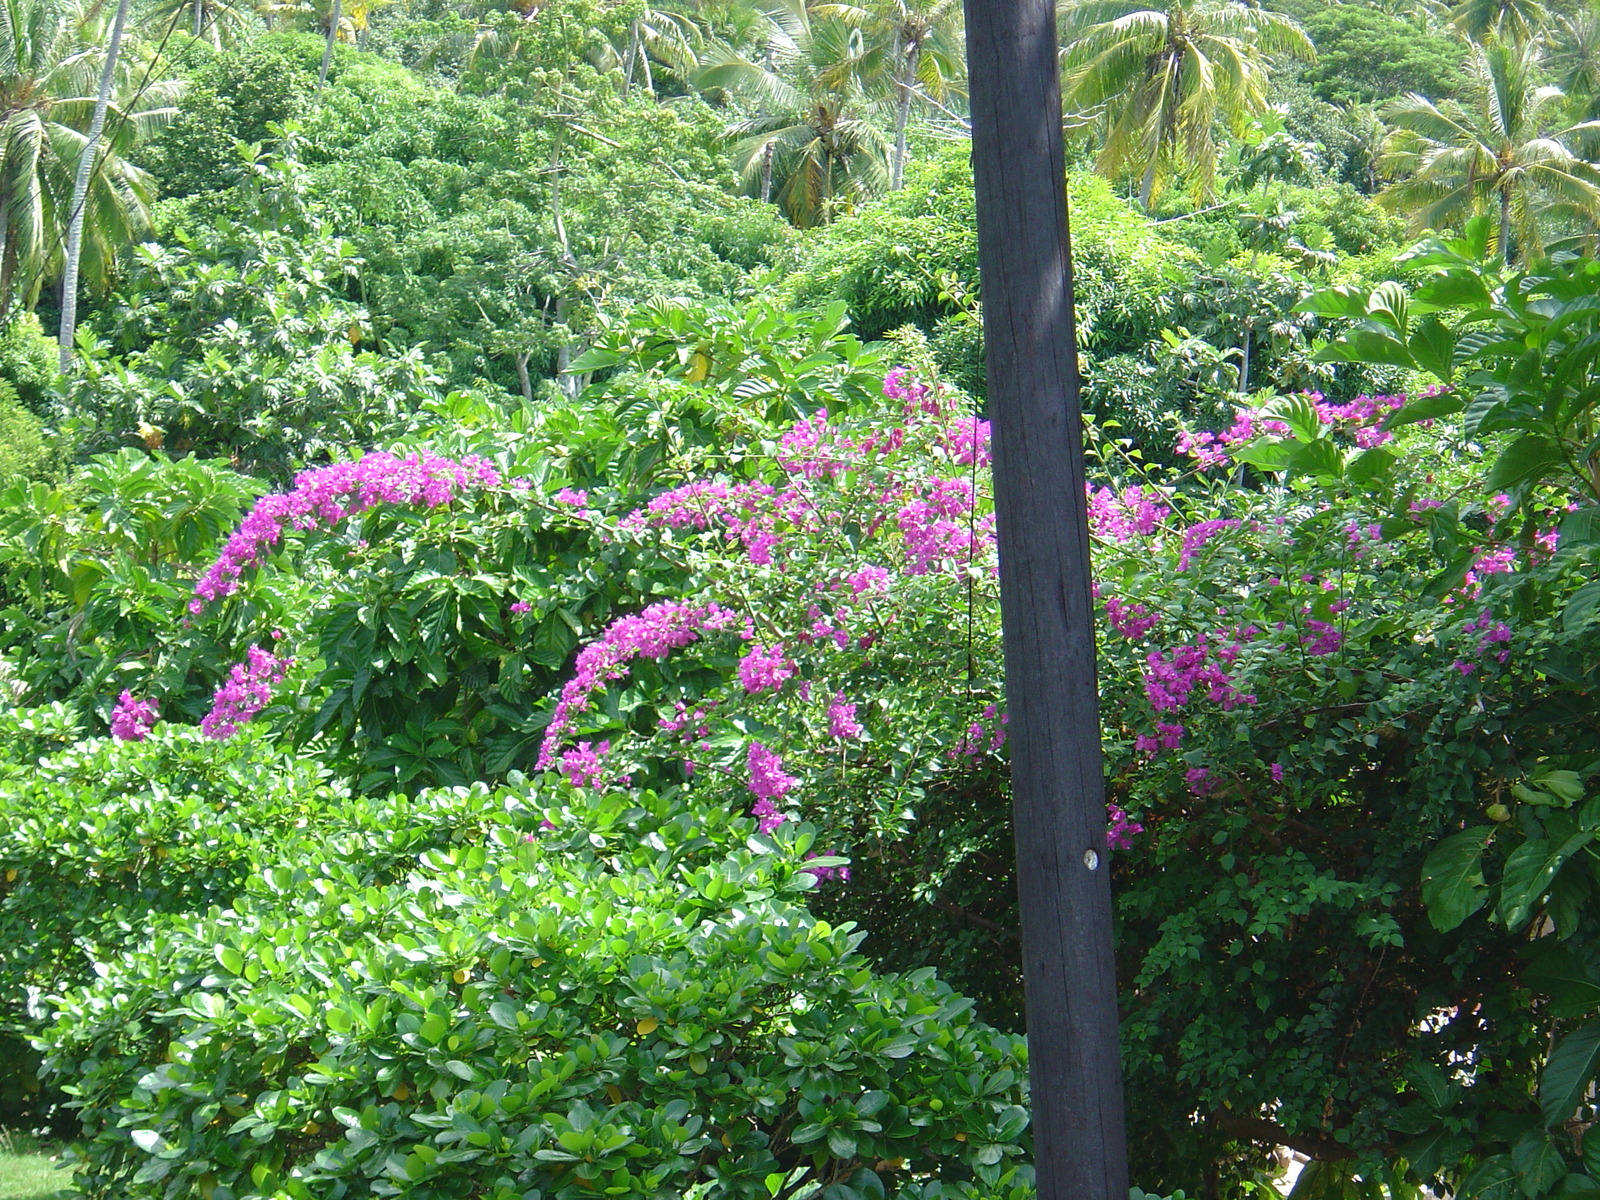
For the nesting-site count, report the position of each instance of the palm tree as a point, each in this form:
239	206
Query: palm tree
80	185
1164	77
49	73
1502	153
811	145
220	22
1574	62
1502	20
924	54
668	37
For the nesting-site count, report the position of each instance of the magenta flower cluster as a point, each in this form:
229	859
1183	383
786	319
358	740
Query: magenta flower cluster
842	721
764	668
653	633
1132	621
986	735
938	527
1197	535
131	719
1120	828
325	496
247	691
1173	676
582	764
1121	517
767	778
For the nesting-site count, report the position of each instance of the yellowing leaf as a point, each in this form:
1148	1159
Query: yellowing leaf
614	1093
462	975
699	367
647	1026
311	1127
11	875
401	1091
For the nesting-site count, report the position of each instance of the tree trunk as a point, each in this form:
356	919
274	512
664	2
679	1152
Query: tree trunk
902	116
633	53
327	50
1244	361
80	190
827	189
6	305
1047	613
766	173
1505	226
199	8
1147	185
522	376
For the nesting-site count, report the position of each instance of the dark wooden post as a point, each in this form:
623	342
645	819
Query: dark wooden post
1058	783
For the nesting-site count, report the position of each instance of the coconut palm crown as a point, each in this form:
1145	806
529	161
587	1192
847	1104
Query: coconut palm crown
1507	153
1160	80
50	60
810	142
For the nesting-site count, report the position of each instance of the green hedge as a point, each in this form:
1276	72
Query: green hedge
629	1001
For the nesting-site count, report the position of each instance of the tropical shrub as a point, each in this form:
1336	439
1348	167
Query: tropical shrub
26	452
609	992
93	570
240	342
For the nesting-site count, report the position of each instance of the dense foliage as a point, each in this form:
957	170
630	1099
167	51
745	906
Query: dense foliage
499	674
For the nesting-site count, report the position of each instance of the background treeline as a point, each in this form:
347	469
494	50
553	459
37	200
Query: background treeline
305	223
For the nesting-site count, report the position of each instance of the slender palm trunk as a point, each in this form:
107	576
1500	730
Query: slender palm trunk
633	56
5	265
1505	226
827	188
80	190
327	50
522	376
902	116
199	8
570	384
766	173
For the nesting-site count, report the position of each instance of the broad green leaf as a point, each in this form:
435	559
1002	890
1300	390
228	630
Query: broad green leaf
1529	870
1561	975
1526	461
1539	1164
1369	465
1427	408
1433	348
1343	301
1581	607
1452	878
1567	1073
1581	527
1320	458
1431	1084
1367	346
1492	1179
1268	454
1452	289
